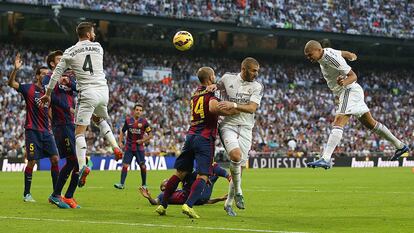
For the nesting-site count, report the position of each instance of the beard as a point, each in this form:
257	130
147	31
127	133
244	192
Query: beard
249	77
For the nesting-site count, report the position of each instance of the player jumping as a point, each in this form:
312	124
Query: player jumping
85	58
341	79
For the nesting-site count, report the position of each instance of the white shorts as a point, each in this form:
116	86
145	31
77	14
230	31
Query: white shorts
233	137
351	102
91	102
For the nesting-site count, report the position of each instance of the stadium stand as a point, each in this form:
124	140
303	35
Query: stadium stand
366	17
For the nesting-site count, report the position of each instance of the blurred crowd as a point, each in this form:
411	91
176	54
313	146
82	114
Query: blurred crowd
294	117
367	17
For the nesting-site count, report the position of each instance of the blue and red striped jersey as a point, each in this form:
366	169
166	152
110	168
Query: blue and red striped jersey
63	101
36	118
203	122
136	129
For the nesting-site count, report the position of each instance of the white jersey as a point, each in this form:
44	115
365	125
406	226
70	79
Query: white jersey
333	65
233	88
85	58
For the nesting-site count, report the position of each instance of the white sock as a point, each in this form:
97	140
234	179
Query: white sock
107	133
333	140
81	150
235	170
230	196
384	132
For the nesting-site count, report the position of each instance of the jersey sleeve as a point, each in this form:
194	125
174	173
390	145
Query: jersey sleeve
147	127
257	94
125	127
24	89
60	68
338	62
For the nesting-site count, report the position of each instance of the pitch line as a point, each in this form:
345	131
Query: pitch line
146	225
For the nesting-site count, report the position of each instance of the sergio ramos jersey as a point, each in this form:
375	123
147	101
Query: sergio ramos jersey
333	65
233	88
85	58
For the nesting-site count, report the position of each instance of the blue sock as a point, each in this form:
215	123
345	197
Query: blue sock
63	177
73	179
54	172
27	180
196	191
143	174
124	174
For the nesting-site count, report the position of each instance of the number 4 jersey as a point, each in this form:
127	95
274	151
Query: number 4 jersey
203	122
85	58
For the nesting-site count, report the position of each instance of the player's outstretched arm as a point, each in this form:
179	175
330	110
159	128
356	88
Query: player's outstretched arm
214	108
349	56
145	193
12	78
218	199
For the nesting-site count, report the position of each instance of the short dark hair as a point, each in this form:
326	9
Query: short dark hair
138	105
51	57
40	68
249	61
83	28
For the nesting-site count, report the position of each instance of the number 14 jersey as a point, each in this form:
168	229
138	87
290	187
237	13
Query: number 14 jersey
203	122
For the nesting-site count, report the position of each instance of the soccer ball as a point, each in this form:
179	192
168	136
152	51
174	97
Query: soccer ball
183	40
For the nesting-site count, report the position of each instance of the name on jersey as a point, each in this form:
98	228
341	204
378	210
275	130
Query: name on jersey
198	93
135	131
84	49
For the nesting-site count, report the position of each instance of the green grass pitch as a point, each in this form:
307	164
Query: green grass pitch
277	200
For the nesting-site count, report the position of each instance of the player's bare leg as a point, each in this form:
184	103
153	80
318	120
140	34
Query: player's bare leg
81	153
368	121
235	170
334	138
106	131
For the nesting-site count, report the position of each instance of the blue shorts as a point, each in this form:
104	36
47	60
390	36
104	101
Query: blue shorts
39	145
139	156
65	140
201	150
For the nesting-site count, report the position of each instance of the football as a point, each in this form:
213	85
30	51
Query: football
183	40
